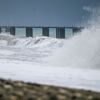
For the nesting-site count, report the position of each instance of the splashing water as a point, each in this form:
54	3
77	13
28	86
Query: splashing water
83	50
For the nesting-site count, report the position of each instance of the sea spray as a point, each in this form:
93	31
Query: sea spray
82	50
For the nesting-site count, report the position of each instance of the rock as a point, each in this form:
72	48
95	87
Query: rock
19	93
8	87
61	97
19	84
31	98
12	97
90	97
1	96
96	98
62	91
52	96
45	88
17	90
78	95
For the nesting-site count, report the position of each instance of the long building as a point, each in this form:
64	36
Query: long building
30	31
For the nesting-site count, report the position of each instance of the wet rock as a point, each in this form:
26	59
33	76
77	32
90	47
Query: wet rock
62	91
12	98
61	97
19	84
52	97
78	95
19	93
8	87
31	98
90	97
17	90
96	98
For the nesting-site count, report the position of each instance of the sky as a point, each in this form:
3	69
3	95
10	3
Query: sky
46	12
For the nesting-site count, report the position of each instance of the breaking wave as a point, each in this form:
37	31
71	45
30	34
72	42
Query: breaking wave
27	49
29	42
82	50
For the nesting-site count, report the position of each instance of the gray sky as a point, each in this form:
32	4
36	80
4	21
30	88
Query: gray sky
46	12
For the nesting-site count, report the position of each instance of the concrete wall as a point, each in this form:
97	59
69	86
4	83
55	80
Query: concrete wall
29	32
76	30
45	31
12	30
60	32
0	30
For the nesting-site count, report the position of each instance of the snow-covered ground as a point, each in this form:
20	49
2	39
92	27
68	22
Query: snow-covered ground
25	59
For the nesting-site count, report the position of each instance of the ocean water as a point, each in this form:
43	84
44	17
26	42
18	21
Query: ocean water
72	62
28	59
82	50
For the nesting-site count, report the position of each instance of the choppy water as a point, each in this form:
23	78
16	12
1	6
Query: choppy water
83	50
54	61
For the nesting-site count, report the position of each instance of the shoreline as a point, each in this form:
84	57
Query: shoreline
19	90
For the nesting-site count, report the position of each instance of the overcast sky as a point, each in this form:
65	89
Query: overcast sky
46	12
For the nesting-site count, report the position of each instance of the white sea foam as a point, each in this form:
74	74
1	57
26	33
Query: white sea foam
9	40
27	49
22	59
83	50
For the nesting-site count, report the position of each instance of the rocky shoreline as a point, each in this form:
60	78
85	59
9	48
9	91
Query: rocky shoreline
17	90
